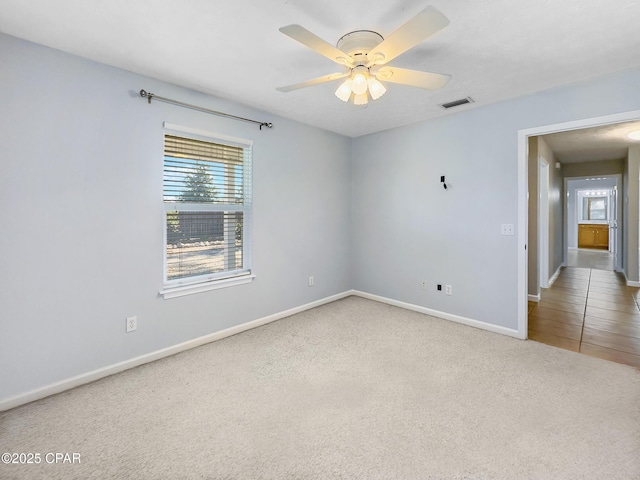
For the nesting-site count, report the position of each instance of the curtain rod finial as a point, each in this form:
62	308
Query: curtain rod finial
147	95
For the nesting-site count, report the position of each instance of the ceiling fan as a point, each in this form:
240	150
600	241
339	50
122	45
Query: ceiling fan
365	55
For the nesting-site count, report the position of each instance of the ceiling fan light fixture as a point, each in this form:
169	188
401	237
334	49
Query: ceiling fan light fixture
376	89
361	99
359	84
635	135
344	91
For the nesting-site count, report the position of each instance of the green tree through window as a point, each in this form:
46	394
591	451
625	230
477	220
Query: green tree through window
199	185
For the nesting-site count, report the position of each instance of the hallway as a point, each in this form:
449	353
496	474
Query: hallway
590	311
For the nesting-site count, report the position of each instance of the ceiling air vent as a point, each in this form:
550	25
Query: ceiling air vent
456	103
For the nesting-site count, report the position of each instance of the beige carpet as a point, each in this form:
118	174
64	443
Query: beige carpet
351	390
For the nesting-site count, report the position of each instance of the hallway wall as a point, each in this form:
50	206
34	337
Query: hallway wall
539	148
589	169
556	210
631	212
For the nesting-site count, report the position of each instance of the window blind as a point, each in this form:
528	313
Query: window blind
207	197
203	172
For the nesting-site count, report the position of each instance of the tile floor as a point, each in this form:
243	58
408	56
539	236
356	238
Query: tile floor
591	258
590	311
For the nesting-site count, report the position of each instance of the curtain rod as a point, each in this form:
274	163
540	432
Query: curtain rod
149	96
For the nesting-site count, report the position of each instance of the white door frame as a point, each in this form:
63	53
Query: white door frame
543	223
523	217
615	239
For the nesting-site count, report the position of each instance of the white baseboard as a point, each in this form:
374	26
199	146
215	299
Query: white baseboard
446	316
555	275
533	298
630	283
67	384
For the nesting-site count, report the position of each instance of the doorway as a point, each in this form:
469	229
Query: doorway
589	308
523	203
591	222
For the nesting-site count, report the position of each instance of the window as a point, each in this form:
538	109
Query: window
207	211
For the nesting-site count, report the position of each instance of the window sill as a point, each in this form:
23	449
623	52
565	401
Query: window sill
182	290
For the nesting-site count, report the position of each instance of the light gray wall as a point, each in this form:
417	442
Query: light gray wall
82	217
631	213
407	228
539	148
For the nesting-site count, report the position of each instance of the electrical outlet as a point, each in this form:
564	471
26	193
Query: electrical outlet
507	229
132	324
448	290
424	284
439	287
311	281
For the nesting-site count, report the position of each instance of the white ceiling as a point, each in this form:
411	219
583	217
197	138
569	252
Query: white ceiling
495	50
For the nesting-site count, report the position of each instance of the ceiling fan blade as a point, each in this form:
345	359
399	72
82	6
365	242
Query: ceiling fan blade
425	24
316	44
414	78
312	82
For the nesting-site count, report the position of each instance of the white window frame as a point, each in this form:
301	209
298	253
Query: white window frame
228	278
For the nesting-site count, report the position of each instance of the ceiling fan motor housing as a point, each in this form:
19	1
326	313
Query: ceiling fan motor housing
357	44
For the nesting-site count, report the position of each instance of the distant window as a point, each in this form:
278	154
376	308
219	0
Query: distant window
207	204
